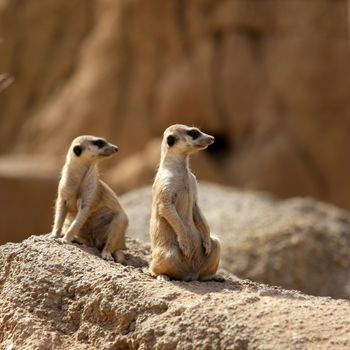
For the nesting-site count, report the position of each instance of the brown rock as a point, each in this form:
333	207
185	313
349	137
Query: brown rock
269	79
28	188
136	170
67	297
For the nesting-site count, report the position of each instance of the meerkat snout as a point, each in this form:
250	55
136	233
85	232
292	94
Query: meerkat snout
210	140
110	150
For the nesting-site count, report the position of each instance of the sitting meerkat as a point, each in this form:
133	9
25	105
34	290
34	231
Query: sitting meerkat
87	209
182	247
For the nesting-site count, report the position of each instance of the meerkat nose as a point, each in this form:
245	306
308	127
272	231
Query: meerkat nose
116	149
212	138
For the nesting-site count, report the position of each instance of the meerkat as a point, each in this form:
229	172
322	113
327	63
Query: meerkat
87	210
182	247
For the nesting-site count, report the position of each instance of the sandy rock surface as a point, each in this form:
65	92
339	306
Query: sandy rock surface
298	243
55	296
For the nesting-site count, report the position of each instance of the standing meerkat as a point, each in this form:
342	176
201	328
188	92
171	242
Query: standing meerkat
182	247
87	209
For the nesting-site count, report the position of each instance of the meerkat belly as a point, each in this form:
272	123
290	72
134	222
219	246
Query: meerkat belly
96	227
184	206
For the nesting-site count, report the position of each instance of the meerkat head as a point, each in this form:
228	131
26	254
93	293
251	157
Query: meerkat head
91	148
185	140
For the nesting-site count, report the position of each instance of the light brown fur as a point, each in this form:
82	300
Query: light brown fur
87	209
182	247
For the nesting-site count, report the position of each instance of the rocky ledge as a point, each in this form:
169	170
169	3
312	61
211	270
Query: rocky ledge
55	296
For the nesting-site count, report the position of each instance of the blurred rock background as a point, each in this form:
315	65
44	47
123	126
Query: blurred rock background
269	79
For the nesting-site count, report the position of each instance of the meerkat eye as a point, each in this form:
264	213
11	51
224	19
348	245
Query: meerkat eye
193	133
99	143
171	140
77	150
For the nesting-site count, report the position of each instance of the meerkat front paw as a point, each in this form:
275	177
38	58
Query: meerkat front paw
207	246
185	247
54	234
107	255
66	239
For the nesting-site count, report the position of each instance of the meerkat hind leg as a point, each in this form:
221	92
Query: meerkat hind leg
208	271
215	278
106	255
163	278
119	257
115	240
169	265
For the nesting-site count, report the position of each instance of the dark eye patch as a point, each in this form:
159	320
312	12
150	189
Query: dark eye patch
77	150
171	140
99	143
193	133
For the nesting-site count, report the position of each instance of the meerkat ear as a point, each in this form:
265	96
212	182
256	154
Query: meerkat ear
171	139
77	150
